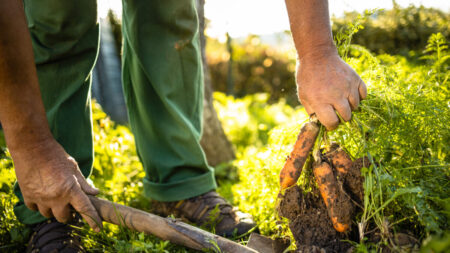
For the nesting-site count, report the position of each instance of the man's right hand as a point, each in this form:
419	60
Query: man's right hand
49	178
52	183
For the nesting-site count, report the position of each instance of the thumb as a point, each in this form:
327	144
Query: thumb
86	187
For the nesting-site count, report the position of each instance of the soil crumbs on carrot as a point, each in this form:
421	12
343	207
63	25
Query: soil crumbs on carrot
309	222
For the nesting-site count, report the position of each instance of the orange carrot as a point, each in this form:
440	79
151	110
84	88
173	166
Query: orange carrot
295	161
339	158
338	204
348	171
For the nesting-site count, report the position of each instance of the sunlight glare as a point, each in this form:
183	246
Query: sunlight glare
243	17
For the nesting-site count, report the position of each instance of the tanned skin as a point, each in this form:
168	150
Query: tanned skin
326	84
50	179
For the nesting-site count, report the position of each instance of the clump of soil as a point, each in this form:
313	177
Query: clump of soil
309	218
353	181
309	222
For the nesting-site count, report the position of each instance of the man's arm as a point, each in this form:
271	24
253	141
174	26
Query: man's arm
49	178
326	84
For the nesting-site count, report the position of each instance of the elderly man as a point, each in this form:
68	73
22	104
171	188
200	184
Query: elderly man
47	51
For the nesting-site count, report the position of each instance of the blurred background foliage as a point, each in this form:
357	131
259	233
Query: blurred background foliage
398	30
256	68
261	64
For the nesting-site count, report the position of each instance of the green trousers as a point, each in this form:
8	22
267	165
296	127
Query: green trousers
162	82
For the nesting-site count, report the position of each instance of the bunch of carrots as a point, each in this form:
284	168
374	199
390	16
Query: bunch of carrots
340	196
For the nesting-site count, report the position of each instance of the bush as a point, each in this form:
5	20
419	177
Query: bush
256	68
397	31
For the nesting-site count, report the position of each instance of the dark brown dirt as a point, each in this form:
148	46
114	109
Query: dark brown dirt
353	182
309	222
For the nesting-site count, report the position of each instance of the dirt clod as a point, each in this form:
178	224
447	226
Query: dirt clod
309	222
353	182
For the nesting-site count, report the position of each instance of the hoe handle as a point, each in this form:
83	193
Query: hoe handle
165	228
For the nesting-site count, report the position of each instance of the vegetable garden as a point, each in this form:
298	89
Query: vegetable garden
402	128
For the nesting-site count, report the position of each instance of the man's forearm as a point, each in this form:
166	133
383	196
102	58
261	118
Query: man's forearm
22	112
310	27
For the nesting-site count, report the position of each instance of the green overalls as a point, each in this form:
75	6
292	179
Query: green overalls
162	83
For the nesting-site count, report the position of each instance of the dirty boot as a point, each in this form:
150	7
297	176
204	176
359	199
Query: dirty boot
209	211
52	236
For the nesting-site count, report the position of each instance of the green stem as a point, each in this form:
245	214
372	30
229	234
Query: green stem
318	143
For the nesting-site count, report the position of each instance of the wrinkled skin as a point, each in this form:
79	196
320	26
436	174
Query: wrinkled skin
52	183
326	85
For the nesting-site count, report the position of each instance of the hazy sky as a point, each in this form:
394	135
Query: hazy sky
242	17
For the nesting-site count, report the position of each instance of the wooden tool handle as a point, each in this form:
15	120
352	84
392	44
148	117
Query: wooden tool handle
165	228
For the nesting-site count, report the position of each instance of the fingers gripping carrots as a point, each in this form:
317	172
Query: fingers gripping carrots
295	161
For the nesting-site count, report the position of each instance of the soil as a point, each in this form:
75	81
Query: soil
309	222
353	181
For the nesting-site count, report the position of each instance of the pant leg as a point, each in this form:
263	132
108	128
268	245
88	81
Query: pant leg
163	86
65	39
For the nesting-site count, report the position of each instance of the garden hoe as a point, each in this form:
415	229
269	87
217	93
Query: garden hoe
168	229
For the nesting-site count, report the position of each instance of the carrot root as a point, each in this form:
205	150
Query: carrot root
338	204
348	171
294	163
340	160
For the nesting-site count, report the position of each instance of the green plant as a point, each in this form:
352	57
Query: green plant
409	176
13	235
401	127
437	54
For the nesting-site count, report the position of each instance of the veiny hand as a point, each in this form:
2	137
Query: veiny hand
51	182
326	85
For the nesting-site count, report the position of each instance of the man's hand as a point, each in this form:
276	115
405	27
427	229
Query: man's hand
326	85
49	178
52	183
